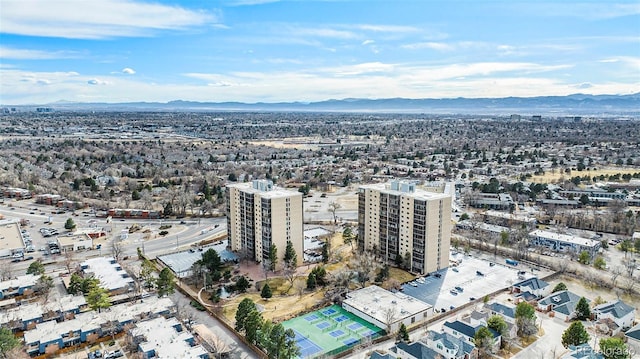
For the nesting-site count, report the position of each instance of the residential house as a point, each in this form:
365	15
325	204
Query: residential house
451	347
21	285
619	312
508	313
633	338
531	289
562	304
467	332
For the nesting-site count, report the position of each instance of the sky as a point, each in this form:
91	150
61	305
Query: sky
304	50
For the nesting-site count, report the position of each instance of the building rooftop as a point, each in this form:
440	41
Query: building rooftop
76	238
416	193
376	301
618	309
48	331
166	338
506	310
417	350
533	283
23	281
108	271
565	238
563	301
458	346
10	237
264	189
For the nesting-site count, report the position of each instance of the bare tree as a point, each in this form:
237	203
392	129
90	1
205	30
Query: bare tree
364	264
615	272
147	199
333	207
6	271
390	314
69	260
116	248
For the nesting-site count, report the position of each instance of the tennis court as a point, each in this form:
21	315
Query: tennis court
329	331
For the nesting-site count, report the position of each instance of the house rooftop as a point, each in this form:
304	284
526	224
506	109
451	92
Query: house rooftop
618	309
417	350
167	339
458	346
108	271
506	310
532	283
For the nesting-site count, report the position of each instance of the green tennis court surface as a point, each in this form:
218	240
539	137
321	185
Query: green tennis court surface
330	331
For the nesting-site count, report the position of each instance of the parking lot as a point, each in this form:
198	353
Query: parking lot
441	291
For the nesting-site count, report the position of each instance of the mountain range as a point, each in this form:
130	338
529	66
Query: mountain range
576	104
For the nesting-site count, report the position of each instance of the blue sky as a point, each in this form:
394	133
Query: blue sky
272	51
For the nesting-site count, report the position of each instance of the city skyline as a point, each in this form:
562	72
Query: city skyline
273	51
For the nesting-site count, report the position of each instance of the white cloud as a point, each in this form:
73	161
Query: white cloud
29	54
368	42
438	46
128	71
586	10
96	82
248	2
363	80
96	19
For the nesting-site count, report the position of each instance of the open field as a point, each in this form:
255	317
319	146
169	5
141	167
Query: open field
557	175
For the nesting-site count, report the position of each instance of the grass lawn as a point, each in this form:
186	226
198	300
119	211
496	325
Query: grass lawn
554	177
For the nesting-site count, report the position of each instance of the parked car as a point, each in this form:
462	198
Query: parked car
459	289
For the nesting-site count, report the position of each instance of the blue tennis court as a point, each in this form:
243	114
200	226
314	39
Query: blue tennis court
355	326
367	333
329	311
350	341
322	325
311	318
341	318
336	333
307	347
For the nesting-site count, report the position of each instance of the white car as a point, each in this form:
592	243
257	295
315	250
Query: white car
18	255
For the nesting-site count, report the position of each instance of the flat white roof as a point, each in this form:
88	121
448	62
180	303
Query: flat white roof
10	238
165	340
564	238
512	216
275	192
22	281
419	193
51	330
111	275
375	302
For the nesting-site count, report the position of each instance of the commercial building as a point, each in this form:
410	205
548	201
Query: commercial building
260	215
385	309
563	242
75	242
397	219
11	240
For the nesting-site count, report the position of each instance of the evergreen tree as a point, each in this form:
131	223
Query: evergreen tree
69	224
36	268
266	291
498	324
575	335
242	284
526	319
582	309
168	209
403	334
165	282
147	270
559	287
290	256
613	348
325	252
311	281
75	284
8	342
245	307
273	257
252	326
98	298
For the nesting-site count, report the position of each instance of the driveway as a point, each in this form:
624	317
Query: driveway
550	344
